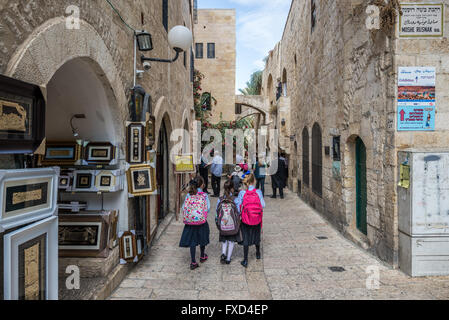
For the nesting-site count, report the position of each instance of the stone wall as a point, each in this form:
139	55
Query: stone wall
219	27
342	77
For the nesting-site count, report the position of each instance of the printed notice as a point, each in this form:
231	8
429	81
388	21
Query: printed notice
416	99
421	20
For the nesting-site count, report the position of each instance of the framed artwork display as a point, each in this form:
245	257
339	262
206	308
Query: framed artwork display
135	143
109	181
184	164
65	182
27	196
151	130
31	262
141	180
83	181
60	154
22	116
114	229
99	153
128	247
84	235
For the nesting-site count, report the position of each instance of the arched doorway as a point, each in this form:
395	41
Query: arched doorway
317	160
305	157
163	171
361	186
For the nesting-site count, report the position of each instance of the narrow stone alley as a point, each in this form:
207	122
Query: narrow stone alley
299	250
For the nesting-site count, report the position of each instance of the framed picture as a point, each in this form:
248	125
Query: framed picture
114	229
64	182
151	130
22	116
128	247
109	181
31	262
83	181
141	180
27	196
84	235
135	143
60	154
184	164
99	153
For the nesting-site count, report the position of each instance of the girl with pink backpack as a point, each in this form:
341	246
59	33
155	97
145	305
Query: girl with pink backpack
251	207
196	230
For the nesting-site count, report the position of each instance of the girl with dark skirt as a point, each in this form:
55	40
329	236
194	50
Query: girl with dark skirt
228	241
196	232
251	203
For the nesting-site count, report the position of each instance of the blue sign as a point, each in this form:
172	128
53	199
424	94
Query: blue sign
416	116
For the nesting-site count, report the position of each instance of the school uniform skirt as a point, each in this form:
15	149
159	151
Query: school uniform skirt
250	234
193	236
235	238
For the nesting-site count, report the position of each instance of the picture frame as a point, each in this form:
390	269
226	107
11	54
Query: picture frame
27	195
135	141
109	180
184	164
63	153
128	247
31	262
84	235
141	180
64	182
101	153
151	130
22	116
84	181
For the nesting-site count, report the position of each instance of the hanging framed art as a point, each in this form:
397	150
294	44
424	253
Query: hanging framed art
141	180
60	154
27	196
128	247
135	143
101	153
22	116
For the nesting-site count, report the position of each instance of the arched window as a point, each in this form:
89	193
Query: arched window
317	160
305	157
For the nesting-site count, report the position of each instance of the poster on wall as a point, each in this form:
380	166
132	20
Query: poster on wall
421	20
416	99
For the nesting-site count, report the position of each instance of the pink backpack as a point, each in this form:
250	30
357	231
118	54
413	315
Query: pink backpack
195	210
252	211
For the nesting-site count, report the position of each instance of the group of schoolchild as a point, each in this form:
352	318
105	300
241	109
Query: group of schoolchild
239	215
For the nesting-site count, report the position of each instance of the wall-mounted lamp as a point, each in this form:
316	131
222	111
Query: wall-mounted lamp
179	38
76	116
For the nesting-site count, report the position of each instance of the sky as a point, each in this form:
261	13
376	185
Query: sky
260	24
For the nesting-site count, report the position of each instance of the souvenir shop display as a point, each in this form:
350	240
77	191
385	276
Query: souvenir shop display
85	234
61	154
83	181
22	116
27	195
100	153
109	181
151	130
141	180
128	247
31	262
135	143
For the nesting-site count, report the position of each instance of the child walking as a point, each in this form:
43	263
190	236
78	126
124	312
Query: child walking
251	207
196	231
228	222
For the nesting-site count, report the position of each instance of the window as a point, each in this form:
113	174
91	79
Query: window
192	66
313	14
238	109
165	14
211	50
199	50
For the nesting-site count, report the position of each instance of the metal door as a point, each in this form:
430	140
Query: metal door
361	186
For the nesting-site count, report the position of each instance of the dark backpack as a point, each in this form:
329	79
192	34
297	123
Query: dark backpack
228	217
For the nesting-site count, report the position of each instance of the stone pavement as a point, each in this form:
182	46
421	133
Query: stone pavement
295	265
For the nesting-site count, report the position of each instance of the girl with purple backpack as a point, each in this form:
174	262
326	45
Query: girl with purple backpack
228	222
251	207
196	232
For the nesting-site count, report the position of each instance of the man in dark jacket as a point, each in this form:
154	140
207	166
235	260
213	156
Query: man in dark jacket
278	180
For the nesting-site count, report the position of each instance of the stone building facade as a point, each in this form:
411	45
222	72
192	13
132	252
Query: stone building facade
89	69
341	80
217	27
